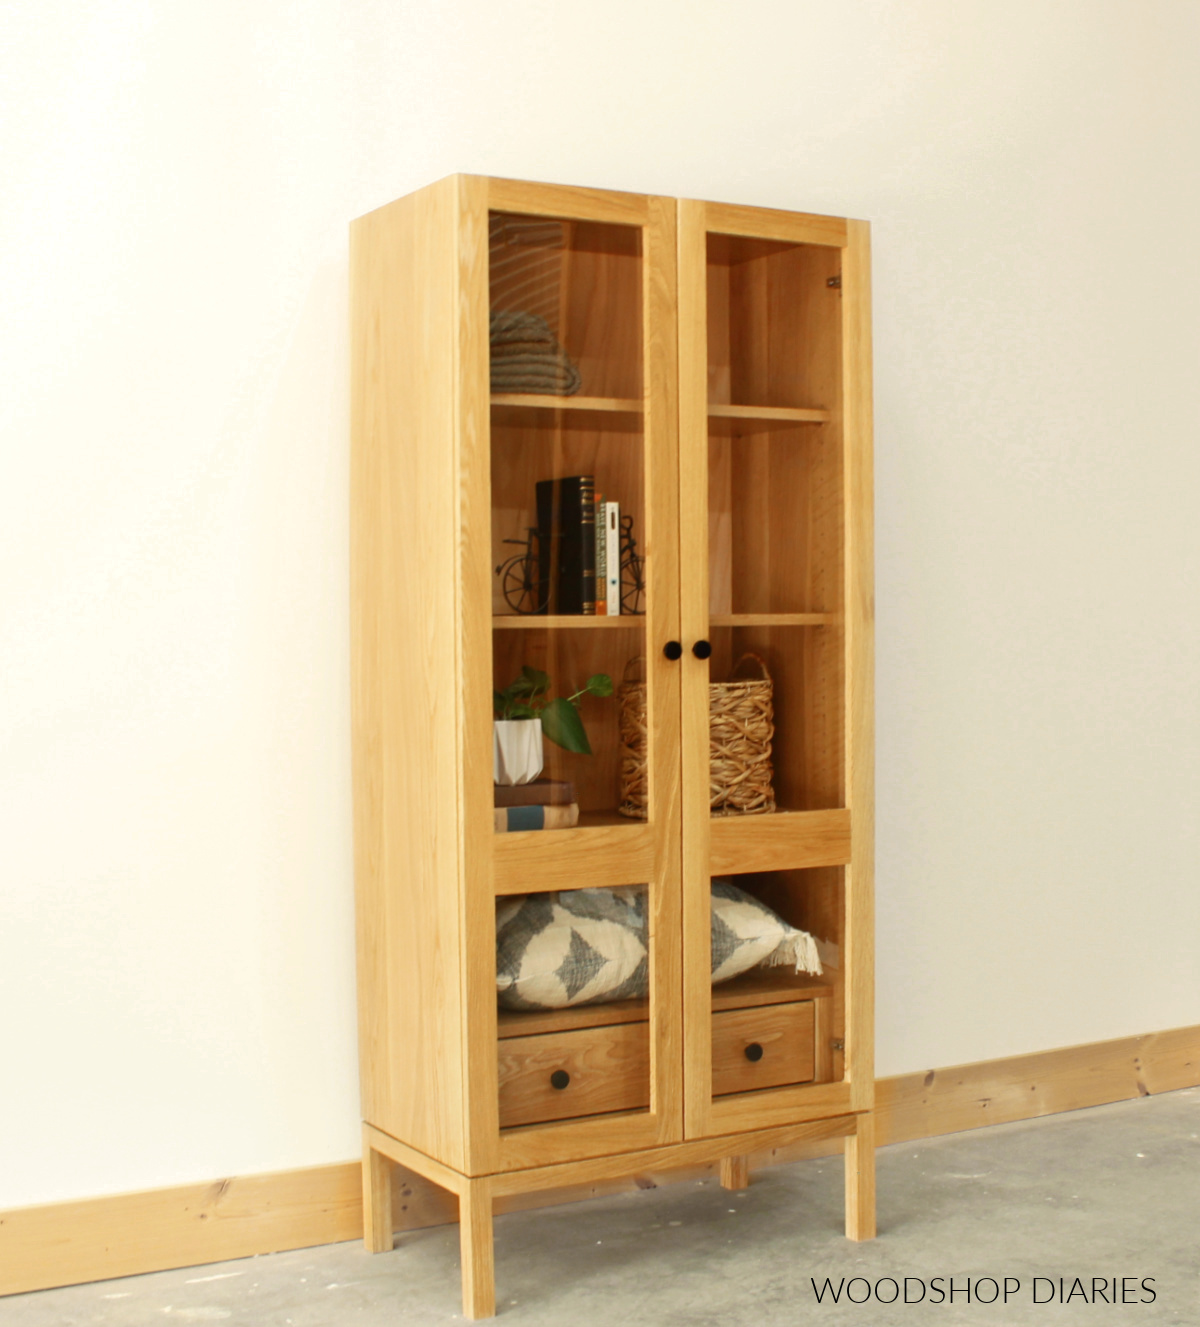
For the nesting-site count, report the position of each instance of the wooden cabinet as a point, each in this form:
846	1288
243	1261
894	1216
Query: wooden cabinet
716	365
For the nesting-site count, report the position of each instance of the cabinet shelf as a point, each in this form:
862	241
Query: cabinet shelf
771	619
759	986
538	401
784	414
557	621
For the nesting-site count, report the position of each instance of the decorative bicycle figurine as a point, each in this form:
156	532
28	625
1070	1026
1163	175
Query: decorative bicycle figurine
521	577
527	594
633	566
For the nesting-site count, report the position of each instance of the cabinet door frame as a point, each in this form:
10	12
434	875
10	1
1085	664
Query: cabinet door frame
636	852
844	837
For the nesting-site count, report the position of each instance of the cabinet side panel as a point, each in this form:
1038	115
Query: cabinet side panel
860	666
404	671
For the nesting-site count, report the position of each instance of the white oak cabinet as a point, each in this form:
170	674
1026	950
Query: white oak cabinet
723	399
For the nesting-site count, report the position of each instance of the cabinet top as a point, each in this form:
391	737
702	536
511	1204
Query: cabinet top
614	206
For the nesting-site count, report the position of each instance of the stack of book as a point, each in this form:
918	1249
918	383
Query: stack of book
580	547
542	804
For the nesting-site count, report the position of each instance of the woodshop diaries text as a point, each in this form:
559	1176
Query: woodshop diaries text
987	1290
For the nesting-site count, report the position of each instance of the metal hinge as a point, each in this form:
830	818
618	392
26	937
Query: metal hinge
834	282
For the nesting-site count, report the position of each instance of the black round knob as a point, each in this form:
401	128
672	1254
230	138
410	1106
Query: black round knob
560	1078
702	649
673	650
754	1051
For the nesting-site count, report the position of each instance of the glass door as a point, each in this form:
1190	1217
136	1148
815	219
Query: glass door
764	547
584	816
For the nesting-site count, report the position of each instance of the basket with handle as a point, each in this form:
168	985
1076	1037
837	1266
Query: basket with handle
741	724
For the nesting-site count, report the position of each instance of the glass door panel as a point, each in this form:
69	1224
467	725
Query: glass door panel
766	835
582	472
571	589
775	501
573	981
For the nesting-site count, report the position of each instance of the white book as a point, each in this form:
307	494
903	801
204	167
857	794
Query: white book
612	555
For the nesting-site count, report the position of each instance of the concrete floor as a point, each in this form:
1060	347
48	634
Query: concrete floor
1103	1193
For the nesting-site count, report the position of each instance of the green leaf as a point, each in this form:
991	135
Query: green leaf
519	710
563	726
600	684
499	701
539	681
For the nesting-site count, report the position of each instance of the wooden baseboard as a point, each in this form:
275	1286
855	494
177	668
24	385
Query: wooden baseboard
100	1238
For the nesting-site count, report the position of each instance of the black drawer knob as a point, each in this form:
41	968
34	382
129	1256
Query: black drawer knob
702	649
754	1052
560	1078
673	650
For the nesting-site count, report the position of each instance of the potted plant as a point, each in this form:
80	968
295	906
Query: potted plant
524	713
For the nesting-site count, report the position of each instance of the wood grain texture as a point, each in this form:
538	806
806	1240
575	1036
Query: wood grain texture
782	1033
692	1152
473	888
378	1215
571	1140
581	858
785	840
534	401
771	619
565	200
859	945
759	986
860	1179
734	1172
789	414
607	1069
406	667
128	1234
776	1106
558	622
478	1258
694	598
770	223
663	682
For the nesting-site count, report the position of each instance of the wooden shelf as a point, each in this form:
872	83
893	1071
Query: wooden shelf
782	413
771	619
759	986
611	404
557	621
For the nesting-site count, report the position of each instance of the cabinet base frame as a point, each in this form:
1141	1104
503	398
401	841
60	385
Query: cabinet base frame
476	1193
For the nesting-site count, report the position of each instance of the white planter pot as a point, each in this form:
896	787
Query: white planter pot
516	750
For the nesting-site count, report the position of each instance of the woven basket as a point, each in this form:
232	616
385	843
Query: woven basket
741	723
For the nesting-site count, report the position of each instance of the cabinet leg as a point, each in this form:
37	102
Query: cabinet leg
860	1180
735	1172
377	1228
377	1201
475	1235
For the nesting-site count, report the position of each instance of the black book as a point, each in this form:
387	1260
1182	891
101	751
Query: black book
566	515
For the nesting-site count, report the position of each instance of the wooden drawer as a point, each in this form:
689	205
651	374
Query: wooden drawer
606	1069
768	1046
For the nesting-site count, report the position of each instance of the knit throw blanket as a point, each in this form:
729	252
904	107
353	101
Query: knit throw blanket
526	357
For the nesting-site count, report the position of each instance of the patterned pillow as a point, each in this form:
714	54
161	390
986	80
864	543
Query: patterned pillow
589	946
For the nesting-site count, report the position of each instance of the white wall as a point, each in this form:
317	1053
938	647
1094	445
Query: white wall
176	964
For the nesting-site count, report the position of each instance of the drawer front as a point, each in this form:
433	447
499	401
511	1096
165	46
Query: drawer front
768	1046
563	1074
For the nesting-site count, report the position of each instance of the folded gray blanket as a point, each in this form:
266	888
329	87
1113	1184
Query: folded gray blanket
526	357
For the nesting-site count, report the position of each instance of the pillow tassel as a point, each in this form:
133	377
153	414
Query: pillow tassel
800	951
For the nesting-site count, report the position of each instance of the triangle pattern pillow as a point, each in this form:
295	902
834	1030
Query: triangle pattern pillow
590	946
